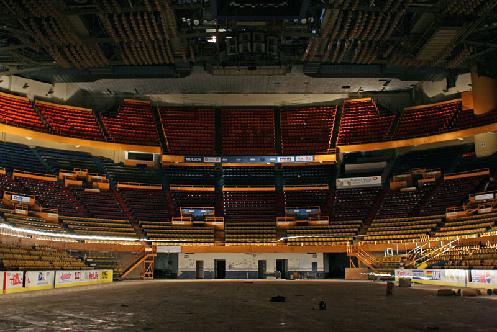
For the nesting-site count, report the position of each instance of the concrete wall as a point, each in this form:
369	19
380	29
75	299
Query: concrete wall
32	89
244	266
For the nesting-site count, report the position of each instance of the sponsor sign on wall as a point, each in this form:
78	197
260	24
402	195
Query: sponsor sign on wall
484	278
14	281
358	182
21	199
451	277
484	197
168	249
80	278
250	159
37	280
19	281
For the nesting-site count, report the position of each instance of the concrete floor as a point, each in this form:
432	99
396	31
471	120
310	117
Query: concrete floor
244	306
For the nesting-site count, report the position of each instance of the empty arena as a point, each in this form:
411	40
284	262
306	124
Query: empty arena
211	165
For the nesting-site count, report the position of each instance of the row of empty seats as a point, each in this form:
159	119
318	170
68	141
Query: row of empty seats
132	124
165	233
248	132
466	257
401	229
242	232
70	121
189	131
426	120
362	122
472	224
335	234
13	257
307	129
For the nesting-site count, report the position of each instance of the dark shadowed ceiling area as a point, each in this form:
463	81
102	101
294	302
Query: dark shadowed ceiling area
88	40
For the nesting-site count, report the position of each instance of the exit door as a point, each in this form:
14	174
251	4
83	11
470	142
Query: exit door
220	268
199	269
261	269
282	267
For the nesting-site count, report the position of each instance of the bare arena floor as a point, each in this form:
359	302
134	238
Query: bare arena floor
244	306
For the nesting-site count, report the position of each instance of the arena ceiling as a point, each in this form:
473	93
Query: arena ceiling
88	40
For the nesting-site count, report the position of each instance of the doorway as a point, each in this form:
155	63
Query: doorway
166	266
199	269
219	268
261	269
335	264
282	267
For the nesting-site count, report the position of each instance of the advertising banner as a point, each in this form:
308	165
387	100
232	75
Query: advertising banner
2	278
14	281
484	278
68	278
457	278
80	278
358	182
38	280
484	197
21	199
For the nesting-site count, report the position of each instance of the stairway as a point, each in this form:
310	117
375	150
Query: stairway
101	125
336	127
160	130
363	256
129	215
42	118
420	257
147	273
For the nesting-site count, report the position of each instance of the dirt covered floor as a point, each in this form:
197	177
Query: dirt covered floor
245	306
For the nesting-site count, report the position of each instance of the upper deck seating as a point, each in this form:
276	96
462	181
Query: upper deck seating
140	174
133	124
67	160
468	119
146	204
189	131
248	132
400	204
51	195
298	175
353	204
362	122
197	175
248	175
441	158
70	121
250	205
19	111
307	198
100	204
20	157
401	229
450	193
307	130
427	120
183	199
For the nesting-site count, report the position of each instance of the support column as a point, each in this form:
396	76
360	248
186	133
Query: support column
484	90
